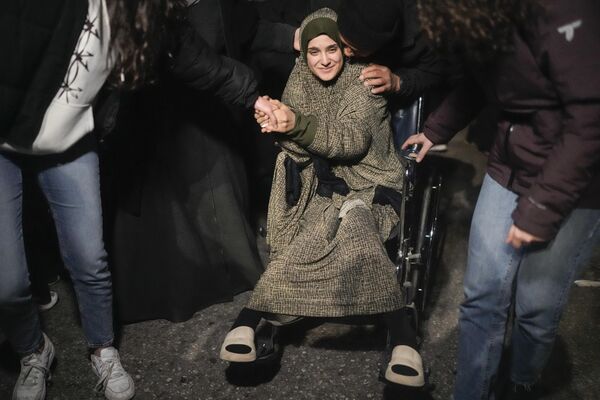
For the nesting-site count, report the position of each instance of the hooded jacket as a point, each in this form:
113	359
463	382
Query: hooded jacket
547	146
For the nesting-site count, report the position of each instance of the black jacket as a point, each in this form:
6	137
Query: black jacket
197	66
37	39
411	57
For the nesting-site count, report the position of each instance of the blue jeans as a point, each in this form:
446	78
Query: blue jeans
536	280
72	188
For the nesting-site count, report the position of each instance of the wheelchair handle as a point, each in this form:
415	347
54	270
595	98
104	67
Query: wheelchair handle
411	152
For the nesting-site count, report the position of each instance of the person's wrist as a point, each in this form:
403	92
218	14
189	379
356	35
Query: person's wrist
397	82
292	121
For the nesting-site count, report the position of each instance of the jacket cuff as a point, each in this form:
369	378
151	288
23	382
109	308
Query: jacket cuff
536	219
407	85
304	130
433	136
251	100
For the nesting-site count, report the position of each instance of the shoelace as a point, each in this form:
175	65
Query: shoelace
33	363
106	372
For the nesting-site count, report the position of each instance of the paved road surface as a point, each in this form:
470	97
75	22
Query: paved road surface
320	361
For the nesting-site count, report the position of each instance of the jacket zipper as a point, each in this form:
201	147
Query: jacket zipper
511	178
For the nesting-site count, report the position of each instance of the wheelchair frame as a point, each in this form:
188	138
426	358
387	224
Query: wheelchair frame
417	232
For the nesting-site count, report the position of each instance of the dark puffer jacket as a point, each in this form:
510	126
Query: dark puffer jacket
547	147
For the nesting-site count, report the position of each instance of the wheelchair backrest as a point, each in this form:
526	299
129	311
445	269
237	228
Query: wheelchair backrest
407	121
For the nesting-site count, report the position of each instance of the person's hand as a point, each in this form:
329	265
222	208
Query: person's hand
261	119
284	122
518	237
263	104
380	79
421	140
297	39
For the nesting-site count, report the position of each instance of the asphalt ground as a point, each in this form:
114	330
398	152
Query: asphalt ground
320	359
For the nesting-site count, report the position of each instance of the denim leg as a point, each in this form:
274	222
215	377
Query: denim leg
543	284
73	192
18	315
488	281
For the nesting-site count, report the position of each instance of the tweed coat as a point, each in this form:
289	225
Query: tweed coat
327	255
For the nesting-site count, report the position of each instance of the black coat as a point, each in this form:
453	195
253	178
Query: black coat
182	236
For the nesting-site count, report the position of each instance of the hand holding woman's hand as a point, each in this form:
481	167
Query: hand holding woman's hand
421	140
284	121
518	237
261	119
264	106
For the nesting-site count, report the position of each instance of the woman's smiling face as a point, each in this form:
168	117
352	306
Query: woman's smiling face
324	58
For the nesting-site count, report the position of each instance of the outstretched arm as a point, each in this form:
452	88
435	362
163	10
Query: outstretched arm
195	64
455	112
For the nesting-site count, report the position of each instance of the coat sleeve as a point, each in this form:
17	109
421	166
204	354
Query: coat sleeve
571	50
426	72
418	65
274	36
195	64
456	111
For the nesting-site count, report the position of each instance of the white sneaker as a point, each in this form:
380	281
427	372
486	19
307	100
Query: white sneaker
114	381
51	303
35	371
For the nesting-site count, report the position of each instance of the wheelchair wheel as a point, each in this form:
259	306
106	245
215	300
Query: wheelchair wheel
428	238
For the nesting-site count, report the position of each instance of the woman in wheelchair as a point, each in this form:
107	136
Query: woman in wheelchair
337	181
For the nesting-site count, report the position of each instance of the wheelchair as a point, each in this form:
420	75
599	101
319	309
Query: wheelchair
418	233
417	237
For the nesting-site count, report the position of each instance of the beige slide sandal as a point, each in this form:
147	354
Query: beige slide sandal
405	367
238	345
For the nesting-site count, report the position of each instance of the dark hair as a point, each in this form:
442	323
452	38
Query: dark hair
479	30
369	25
137	35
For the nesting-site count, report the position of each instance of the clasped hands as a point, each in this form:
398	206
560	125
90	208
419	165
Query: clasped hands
273	116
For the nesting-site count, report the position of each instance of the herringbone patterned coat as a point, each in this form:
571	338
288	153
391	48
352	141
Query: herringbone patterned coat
327	256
